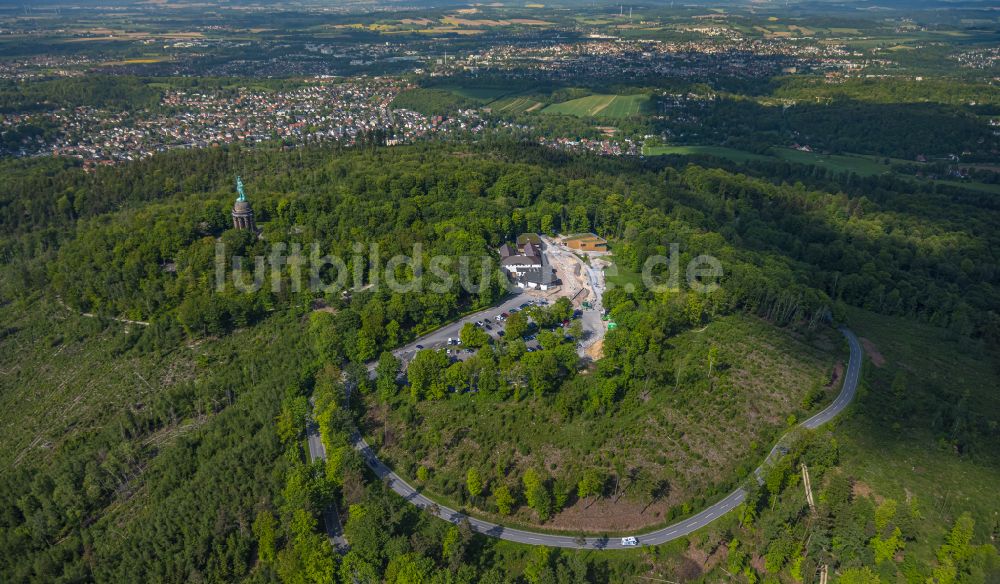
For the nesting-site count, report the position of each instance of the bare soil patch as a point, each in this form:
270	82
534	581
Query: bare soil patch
706	561
838	374
607	515
861	489
596	350
872	351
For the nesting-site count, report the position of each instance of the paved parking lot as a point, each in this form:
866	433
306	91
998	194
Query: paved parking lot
439	338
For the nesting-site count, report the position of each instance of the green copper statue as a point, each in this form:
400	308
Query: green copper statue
239	189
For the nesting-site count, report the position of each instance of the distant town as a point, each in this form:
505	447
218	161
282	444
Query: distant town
338	100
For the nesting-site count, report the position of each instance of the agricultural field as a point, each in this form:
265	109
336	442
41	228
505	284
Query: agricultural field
756	390
484	94
447	98
515	105
601	106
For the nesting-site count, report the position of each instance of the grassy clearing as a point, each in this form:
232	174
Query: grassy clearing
64	377
699	436
601	106
717	151
934	442
975	186
859	164
60	377
619	276
862	165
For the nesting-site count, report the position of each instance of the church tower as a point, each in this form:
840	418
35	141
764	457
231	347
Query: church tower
242	213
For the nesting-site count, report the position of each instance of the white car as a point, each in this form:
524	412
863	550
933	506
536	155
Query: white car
629	541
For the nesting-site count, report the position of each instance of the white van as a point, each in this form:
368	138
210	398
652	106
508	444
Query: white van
629	541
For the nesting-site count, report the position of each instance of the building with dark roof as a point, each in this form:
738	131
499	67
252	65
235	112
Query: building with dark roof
540	278
516	262
525	264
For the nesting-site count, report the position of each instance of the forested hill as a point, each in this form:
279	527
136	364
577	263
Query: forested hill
102	240
174	451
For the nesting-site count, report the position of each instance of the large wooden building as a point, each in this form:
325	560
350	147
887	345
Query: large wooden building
587	242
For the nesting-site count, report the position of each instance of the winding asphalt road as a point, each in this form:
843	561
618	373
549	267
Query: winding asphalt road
331	519
658	536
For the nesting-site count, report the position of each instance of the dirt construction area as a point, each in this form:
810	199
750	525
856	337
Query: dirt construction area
581	282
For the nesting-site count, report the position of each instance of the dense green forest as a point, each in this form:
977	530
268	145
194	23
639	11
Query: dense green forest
185	402
897	130
897	91
433	102
94	91
129	496
792	246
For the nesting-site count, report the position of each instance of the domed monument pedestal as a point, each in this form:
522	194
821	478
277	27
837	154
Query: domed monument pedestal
242	212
